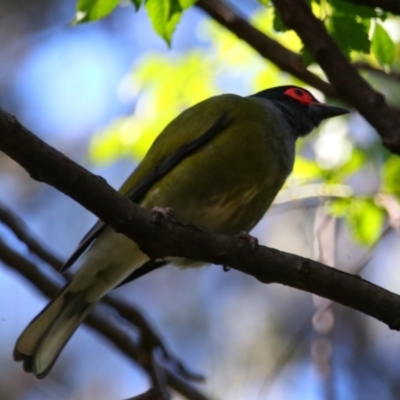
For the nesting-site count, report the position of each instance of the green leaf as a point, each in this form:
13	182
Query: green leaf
185	4
165	15
278	24
93	10
345	8
352	166
307	170
362	216
137	4
391	176
382	46
350	34
307	58
367	220
174	7
168	84
265	2
383	15
339	207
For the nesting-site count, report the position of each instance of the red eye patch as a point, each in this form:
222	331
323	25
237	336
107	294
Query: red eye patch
302	96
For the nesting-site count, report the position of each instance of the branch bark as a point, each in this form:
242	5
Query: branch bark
268	48
343	76
174	238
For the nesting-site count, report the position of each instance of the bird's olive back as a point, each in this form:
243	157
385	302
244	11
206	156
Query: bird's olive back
228	184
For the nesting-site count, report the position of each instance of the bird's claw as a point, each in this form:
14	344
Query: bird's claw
161	213
253	241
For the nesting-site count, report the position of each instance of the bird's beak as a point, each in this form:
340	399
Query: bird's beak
325	111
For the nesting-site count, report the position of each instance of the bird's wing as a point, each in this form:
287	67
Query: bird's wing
143	178
84	244
137	192
143	270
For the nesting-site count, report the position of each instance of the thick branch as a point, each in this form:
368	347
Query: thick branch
173	238
353	88
268	48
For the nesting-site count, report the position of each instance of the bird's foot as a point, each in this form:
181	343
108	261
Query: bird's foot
161	213
253	241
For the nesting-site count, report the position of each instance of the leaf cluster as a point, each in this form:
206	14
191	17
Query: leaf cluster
355	28
164	14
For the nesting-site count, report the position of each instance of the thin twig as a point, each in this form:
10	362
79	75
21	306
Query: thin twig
24	234
150	340
157	374
283	359
151	394
128	312
99	319
394	75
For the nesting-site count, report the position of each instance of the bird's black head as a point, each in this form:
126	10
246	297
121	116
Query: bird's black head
300	108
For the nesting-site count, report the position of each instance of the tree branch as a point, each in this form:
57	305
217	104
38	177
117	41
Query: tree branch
268	48
22	232
344	77
149	339
99	319
173	238
394	75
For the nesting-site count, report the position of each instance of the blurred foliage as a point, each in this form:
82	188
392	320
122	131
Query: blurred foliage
166	84
349	24
362	216
163	85
391	175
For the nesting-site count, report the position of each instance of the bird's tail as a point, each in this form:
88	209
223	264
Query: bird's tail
108	262
43	339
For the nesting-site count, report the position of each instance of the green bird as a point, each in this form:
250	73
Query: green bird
218	165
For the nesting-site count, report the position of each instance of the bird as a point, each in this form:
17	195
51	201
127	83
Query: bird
218	165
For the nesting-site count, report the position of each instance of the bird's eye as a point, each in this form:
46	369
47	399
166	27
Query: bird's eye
300	95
